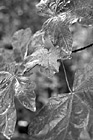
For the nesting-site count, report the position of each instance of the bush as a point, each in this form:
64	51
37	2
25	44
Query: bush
65	116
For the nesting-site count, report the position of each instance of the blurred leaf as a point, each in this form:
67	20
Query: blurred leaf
36	42
20	42
21	38
84	135
17	55
83	84
80	4
2	62
24	89
85	15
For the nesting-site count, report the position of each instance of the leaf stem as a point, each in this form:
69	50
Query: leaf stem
66	77
74	51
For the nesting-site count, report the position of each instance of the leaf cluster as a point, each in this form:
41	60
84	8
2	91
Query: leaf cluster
65	115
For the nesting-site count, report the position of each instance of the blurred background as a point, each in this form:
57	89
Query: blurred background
20	14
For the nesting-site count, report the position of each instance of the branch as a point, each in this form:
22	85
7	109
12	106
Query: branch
74	51
66	78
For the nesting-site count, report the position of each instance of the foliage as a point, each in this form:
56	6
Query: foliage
70	113
65	115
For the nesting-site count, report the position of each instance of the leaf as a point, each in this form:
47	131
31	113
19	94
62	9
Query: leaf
6	91
62	117
21	38
83	84
56	29
17	55
73	5
82	75
47	7
2	62
7	109
7	56
10	121
80	4
39	48
49	117
85	15
45	58
20	42
36	42
24	89
67	116
82	9
10	67
2	122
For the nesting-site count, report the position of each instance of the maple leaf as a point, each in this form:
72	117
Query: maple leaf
45	58
20	41
56	29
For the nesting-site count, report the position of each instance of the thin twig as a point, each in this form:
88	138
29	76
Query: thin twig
66	77
74	51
